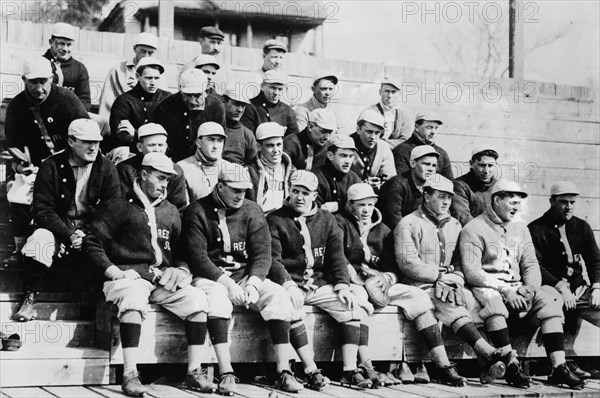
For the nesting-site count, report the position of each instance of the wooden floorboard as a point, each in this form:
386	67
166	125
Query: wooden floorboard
165	391
27	392
72	392
113	391
425	390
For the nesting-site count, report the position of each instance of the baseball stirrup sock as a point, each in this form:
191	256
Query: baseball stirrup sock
499	338
217	330
130	334
350	334
298	336
279	331
553	342
364	335
469	333
195	332
432	336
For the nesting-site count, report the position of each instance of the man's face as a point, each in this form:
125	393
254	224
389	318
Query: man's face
153	143
271	149
438	202
232	197
142	51
563	206
83	151
273	59
149	79
318	135
211	46
234	109
301	199
272	92
507	207
483	168
210	71
324	90
363	209
211	146
38	89
426	131
154	183
342	159
369	134
424	167
389	95
194	102
61	48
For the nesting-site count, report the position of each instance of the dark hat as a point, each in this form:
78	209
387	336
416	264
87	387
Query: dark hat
212	32
273	44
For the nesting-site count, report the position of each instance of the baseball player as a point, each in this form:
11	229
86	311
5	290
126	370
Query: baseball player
240	145
308	148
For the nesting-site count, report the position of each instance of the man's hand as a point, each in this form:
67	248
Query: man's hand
130	274
250	295
331	207
237	294
125	126
595	299
568	298
374	182
515	301
174	278
297	296
348	298
77	239
445	292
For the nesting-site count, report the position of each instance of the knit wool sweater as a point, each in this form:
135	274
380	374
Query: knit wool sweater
240	146
402	157
296	146
334	184
75	78
374	162
398	197
260	183
471	197
260	111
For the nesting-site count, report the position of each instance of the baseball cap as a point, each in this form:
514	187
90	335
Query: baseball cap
342	141
273	44
206	59
149	129
477	150
146	39
159	161
63	30
85	130
211	128
274	77
322	74
192	81
422	150
236	94
504	185
439	183
563	188
429	117
392	82
37	68
360	191
305	179
146	61
269	130
373	117
323	118
212	32
235	175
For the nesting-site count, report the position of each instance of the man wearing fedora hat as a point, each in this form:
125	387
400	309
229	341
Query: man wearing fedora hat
121	77
69	189
133	108
240	145
499	262
425	128
131	241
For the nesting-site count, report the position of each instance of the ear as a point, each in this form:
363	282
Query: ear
138	145
259	146
70	142
413	164
330	155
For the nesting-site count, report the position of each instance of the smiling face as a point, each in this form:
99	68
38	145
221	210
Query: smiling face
61	48
507	205
363	209
369	133
301	199
563	206
271	149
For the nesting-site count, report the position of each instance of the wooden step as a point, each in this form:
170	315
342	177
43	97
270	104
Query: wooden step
43	366
11	279
50	306
52	333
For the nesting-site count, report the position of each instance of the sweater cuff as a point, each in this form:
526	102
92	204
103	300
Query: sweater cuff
226	281
596	285
340	287
113	272
391	278
254	281
351	271
289	284
561	285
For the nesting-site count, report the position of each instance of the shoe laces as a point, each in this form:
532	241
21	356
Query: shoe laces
201	374
229	377
131	376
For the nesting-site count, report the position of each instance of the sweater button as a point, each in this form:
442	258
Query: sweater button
62	166
35	121
64	180
334	191
187	127
62	196
563	253
130	200
184	113
218	239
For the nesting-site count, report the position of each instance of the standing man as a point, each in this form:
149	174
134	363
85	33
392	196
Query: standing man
268	107
181	114
425	129
308	148
398	124
121	77
402	194
273	55
498	259
70	188
240	145
211	43
131	241
474	189
374	162
271	171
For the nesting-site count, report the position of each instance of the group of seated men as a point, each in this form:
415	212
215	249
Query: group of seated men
218	200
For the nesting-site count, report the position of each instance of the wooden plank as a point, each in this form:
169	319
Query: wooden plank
542	389
35	351
72	392
26	392
425	390
164	391
52	333
387	392
252	391
45	310
343	392
50	372
111	391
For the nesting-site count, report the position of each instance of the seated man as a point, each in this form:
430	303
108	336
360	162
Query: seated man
308	148
209	65
498	260
401	195
473	190
335	176
369	247
152	137
374	162
271	171
201	171
227	246
268	107
308	260
140	268
273	54
240	145
70	187
133	108
569	258
424	242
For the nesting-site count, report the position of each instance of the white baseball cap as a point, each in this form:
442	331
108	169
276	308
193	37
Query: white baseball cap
146	39
37	68
85	130
192	81
64	30
269	130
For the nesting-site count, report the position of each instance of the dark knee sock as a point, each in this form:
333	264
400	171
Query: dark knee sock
553	342
195	332
130	334
279	331
432	336
469	333
499	338
364	335
34	275
350	334
298	336
217	330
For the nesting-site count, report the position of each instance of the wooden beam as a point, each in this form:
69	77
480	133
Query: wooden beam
516	40
166	18
249	34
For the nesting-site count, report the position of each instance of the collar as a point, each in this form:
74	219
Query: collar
130	63
50	55
137	190
219	202
202	161
438	221
262	101
384	107
318	104
493	217
415	139
359	145
74	163
305	138
232	124
476	182
376	218
309	213
554	220
138	92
